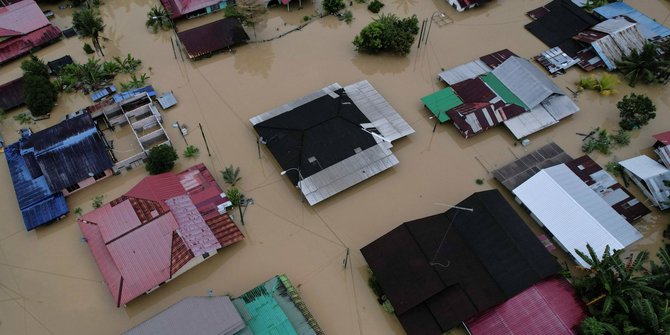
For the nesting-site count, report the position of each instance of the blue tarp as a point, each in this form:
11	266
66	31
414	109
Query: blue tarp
649	28
38	204
129	94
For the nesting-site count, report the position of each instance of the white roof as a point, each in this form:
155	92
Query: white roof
530	122
574	213
643	167
526	81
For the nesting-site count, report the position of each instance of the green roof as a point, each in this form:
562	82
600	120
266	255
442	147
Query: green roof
440	102
501	90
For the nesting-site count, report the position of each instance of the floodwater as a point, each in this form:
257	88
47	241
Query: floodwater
49	283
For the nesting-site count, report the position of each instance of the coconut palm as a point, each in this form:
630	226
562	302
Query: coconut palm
88	23
645	66
231	175
158	18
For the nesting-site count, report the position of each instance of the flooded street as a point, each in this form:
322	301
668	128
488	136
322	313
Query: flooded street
49	282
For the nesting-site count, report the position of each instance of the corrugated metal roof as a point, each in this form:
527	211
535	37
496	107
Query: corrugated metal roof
179	8
501	90
21	18
440	102
559	20
560	106
548	307
465	71
528	123
663	137
526	81
212	37
653	176
17	46
622	38
573	213
649	27
193	316
11	94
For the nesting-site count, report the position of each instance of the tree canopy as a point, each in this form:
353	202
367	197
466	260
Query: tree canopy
635	111
158	18
40	95
161	159
333	6
647	66
388	33
88	23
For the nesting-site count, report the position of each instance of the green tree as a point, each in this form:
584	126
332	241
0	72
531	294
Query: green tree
234	195
250	13
231	175
40	95
333	6
590	5
35	66
375	6
88	23
388	33
158	18
593	326
161	159
645	66
191	151
635	111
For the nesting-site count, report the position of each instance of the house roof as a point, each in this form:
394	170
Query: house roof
526	81
275	307
68	152
148	236
441	270
212	37
560	20
621	38
653	175
475	68
573	213
195	316
651	29
15	47
549	307
11	94
179	8
501	90
57	64
517	172
25	27
332	139
39	205
440	102
663	137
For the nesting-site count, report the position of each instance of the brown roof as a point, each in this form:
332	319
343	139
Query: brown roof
212	37
11	94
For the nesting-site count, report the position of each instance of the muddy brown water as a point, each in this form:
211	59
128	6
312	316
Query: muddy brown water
49	283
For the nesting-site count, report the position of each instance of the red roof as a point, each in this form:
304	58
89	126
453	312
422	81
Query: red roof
663	137
25	27
179	8
143	238
549	307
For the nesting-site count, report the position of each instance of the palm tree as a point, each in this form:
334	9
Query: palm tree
231	175
88	23
158	18
645	66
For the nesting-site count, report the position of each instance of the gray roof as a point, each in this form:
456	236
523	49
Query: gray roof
515	173
194	316
623	37
526	81
463	72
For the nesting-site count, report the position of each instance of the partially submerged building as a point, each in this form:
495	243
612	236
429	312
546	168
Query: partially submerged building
212	37
444	269
650	28
23	27
274	307
662	148
612	40
651	177
332	139
575	213
192	8
51	164
550	307
514	93
11	95
461	5
161	228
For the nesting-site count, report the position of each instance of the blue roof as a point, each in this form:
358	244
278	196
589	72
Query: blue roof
38	204
649	28
129	94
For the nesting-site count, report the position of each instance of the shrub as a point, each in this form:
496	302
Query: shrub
605	85
347	16
621	138
88	49
613	168
40	94
23	118
78	211
97	201
191	151
599	141
306	18
479	181
388	33
375	6
35	67
235	196
333	6
161	159
635	111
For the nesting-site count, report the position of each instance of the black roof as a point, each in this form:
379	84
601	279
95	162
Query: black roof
57	64
563	21
68	152
443	269
11	94
327	128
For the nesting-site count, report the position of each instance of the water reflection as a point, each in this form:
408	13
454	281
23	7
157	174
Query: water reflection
373	64
255	59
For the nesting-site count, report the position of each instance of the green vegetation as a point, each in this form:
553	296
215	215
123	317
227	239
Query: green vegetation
306	18
375	6
161	159
94	74
629	297
158	18
78	211
249	12
604	142
191	151
613	168
647	66
40	94
347	16
479	181
234	195
379	292
621	138
97	201
88	49
605	85
88	23
388	33
23	118
128	64
333	6
635	111
135	82
590	5
231	175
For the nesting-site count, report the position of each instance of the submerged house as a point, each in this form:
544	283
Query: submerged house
514	93
461	5
575	213
332	139
161	228
212	37
442	270
11	95
192	8
613	39
274	307
650	28
662	148
651	177
49	165
23	27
